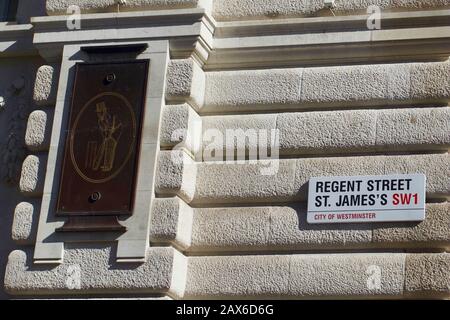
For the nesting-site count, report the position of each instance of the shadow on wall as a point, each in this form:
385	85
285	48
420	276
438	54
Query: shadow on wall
21	11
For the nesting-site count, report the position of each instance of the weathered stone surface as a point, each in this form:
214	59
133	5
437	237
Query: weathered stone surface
286	228
252	9
265	228
235	9
341	86
181	126
347	275
226	134
427	128
97	274
332	131
25	222
32	177
237	276
232	90
431	233
299	276
37	136
346	84
176	175
428	275
232	182
230	228
435	167
171	222
46	85
60	6
430	81
185	82
319	132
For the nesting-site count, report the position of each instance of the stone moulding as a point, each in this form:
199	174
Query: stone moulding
88	270
60	7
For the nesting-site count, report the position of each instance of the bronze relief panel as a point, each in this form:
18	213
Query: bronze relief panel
103	138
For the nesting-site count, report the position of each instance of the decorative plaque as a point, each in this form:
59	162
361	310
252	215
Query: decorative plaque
102	145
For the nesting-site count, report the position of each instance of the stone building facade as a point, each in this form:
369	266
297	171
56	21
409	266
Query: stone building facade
345	90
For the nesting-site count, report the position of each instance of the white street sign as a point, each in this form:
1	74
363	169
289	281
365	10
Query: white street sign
366	199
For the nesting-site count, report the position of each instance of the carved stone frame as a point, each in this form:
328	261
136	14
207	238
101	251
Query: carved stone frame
132	245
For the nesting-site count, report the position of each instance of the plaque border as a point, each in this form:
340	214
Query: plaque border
132	245
139	135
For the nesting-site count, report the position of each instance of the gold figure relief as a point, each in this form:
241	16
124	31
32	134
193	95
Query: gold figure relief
102	162
101	155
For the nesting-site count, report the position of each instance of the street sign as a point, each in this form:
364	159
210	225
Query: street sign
366	199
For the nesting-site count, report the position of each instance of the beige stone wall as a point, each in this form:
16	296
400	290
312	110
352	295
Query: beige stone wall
220	228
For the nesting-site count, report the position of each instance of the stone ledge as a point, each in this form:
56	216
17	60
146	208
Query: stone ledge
285	228
325	87
97	274
336	132
294	276
232	182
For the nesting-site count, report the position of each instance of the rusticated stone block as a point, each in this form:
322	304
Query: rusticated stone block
171	221
181	126
232	90
46	85
185	82
295	276
88	270
33	175
428	275
37	136
25	222
176	175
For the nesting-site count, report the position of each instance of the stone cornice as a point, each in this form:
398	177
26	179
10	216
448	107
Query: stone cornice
404	36
407	36
190	31
395	20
